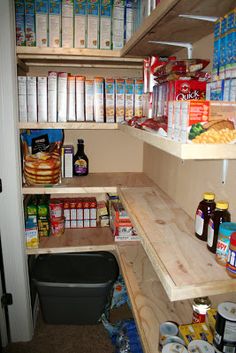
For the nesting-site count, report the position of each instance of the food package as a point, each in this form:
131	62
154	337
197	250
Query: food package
41	156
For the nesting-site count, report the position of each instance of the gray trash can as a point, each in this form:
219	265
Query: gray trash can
74	288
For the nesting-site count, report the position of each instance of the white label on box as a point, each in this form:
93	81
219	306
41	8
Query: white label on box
68	164
71	99
93	213
105	33
99	101
93	223
89	100
41	30
67	214
80	214
42	99
52	98
80	99
80	224
22	98
93	32
62	97
73	224
86	223
170	119
31	99
54	31
67	32
80	31
73	213
86	213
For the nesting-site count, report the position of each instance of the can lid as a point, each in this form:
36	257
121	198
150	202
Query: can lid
202	301
169	328
227	228
233	239
174	347
200	346
223	205
209	196
80	141
227	310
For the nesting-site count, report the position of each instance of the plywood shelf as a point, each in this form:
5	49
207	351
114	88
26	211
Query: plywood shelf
69	125
164	24
92	183
183	264
184	151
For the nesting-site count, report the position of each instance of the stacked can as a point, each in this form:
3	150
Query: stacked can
57	217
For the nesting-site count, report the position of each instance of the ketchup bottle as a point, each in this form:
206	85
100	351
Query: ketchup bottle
203	214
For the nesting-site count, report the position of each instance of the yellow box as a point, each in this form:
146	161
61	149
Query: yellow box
187	333
203	332
211	319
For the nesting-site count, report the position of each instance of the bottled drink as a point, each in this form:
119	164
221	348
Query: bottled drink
203	214
220	215
80	160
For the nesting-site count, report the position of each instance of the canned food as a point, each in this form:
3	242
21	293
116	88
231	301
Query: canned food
200	346
173	339
200	307
56	209
174	347
58	227
167	328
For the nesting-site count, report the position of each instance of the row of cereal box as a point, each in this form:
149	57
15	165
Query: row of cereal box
61	97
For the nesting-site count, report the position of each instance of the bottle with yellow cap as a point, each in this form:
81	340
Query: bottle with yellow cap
203	214
220	215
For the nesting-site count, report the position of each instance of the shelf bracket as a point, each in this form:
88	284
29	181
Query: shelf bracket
200	18
225	164
188	46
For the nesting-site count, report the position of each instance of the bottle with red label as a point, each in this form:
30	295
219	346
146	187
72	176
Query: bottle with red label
200	307
203	214
220	215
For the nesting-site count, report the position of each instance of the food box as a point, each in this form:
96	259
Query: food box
93	24
129	19
42	99
105	24
52	96
22	98
71	98
89	100
41	11
129	99
118	16
120	100
20	22
187	333
186	89
99	99
80	23
31	234
31	98
138	98
67	23
80	97
62	97
30	36
203	332
68	161
211	319
54	23
110	100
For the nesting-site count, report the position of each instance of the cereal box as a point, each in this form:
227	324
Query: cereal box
54	23
62	97
129	19
22	98
20	22
170	124
99	99
105	24
89	100
118	16
42	99
71	98
138	98
177	120
80	23
30	36
93	24
129	99
31	234
110	100
31	99
41	10
52	96
68	161
67	23
223	46
80	94
120	100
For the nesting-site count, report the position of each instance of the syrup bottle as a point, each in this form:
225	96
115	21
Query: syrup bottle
80	160
203	214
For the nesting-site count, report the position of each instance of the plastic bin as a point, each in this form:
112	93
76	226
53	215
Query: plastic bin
74	288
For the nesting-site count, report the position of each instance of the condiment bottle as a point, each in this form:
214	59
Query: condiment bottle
220	215
231	260
222	247
203	214
80	160
200	307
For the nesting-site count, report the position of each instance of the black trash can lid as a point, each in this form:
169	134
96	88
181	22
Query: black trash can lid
91	267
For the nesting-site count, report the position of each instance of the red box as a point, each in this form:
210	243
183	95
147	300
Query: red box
186	90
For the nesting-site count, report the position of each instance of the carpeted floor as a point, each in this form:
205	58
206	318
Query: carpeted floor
70	338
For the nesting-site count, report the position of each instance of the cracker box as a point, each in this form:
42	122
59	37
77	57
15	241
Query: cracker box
31	99
80	23
186	90
120	100
93	24
138	98
118	16
71	98
22	98
20	22
170	123
67	23
41	11
105	24
30	36
54	23
62	97
89	100
129	99
52	96
110	100
42	99
177	120
68	161
99	99
80	95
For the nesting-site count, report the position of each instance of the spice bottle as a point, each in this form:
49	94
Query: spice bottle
80	160
231	260
203	214
220	215
222	247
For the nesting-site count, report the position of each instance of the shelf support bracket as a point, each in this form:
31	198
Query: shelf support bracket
200	18
225	165
188	46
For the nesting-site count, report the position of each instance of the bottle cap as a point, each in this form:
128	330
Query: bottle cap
233	239
80	141
223	205
209	196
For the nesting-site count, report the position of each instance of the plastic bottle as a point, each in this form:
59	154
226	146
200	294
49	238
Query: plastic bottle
226	229
220	215
231	260
80	160
203	214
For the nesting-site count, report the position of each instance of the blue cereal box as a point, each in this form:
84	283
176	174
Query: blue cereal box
105	24
216	55
118	19
54	23
120	100
129	19
30	36
229	42
223	46
80	23
93	24
138	98
20	22
110	100
41	11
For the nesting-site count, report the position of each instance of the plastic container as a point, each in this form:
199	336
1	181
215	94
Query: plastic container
203	214
222	247
231	260
74	288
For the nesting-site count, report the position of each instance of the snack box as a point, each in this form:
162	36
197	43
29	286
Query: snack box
20	22
120	100
129	99
42	100
138	98
186	90
89	100
67	23
71	98
99	99
118	16
80	97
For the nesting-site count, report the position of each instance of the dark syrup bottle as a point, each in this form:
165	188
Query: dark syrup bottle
80	160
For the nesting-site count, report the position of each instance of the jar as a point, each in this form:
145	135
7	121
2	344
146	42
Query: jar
200	307
222	247
203	214
231	260
220	215
56	209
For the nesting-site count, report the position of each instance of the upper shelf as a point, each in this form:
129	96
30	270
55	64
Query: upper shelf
164	24
183	150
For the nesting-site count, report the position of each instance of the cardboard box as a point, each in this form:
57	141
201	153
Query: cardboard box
54	23
31	99
30	36
129	19
67	23
187	333
118	17
62	96
93	24
138	98
41	10
80	23
105	24
68	161
71	98
170	124
177	120
22	98
42	99
52	97
89	100
120	100
203	332
20	22
110	100
211	319
99	100
129	99
80	98
31	234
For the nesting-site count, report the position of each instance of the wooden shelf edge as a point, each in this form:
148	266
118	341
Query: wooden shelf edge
70	249
68	125
53	190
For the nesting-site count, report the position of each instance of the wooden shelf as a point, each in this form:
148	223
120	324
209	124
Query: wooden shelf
164	24
69	125
183	264
183	151
76	240
92	183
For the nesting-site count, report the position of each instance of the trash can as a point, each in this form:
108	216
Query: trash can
74	288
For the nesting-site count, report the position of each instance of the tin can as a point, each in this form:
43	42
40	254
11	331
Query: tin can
200	346
167	329
174	347
225	329
200	307
173	339
56	209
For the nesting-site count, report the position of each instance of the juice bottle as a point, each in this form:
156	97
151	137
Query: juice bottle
80	160
203	214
